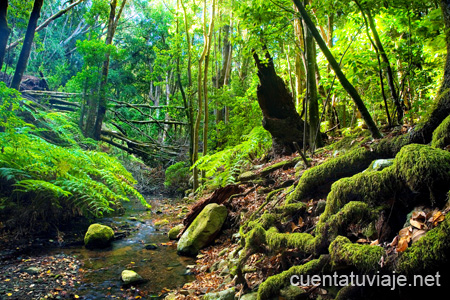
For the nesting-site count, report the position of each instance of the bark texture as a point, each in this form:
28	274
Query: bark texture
280	116
28	41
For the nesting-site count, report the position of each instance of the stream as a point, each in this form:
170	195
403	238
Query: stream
162	268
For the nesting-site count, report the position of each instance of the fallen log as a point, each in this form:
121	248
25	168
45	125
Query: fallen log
219	196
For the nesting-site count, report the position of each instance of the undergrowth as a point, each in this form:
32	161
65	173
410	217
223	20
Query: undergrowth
223	167
43	183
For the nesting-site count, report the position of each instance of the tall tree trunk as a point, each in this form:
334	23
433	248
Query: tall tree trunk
224	73
344	81
200	87
45	23
330	111
311	89
113	22
5	31
27	43
186	101
280	117
189	87
390	75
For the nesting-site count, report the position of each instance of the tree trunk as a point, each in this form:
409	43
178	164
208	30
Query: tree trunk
224	74
311	90
189	87
186	101
102	103
200	86
4	30
45	23
280	117
28	42
344	81
389	73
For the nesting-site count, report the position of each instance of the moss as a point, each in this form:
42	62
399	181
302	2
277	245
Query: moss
303	242
98	236
272	286
428	253
441	135
373	188
425	169
247	176
202	230
352	212
363	257
346	165
267	220
255	238
175	231
291	209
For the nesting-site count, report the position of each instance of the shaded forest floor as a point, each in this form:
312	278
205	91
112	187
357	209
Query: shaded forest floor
266	192
211	275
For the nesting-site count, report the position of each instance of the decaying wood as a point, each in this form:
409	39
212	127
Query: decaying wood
219	196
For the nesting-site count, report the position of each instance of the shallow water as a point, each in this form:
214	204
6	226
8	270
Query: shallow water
162	268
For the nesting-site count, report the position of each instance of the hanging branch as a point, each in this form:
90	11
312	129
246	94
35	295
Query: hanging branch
344	81
331	87
45	23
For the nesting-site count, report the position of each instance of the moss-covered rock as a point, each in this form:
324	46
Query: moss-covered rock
425	170
130	277
98	236
203	230
175	231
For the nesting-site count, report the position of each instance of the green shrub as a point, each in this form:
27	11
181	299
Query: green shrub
177	177
223	167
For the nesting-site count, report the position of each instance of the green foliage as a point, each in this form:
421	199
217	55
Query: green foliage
223	167
47	180
177	177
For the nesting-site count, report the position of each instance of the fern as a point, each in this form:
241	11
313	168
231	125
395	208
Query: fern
231	161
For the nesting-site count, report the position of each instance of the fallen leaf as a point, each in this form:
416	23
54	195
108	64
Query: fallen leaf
362	241
402	244
417	224
419	216
394	241
437	218
405	231
374	243
417	235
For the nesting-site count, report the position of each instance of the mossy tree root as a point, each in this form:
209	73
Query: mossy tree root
316	179
420	175
271	287
441	135
363	257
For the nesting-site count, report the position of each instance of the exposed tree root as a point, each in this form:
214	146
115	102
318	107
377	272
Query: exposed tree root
381	200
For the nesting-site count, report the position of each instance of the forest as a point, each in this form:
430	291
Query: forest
224	149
